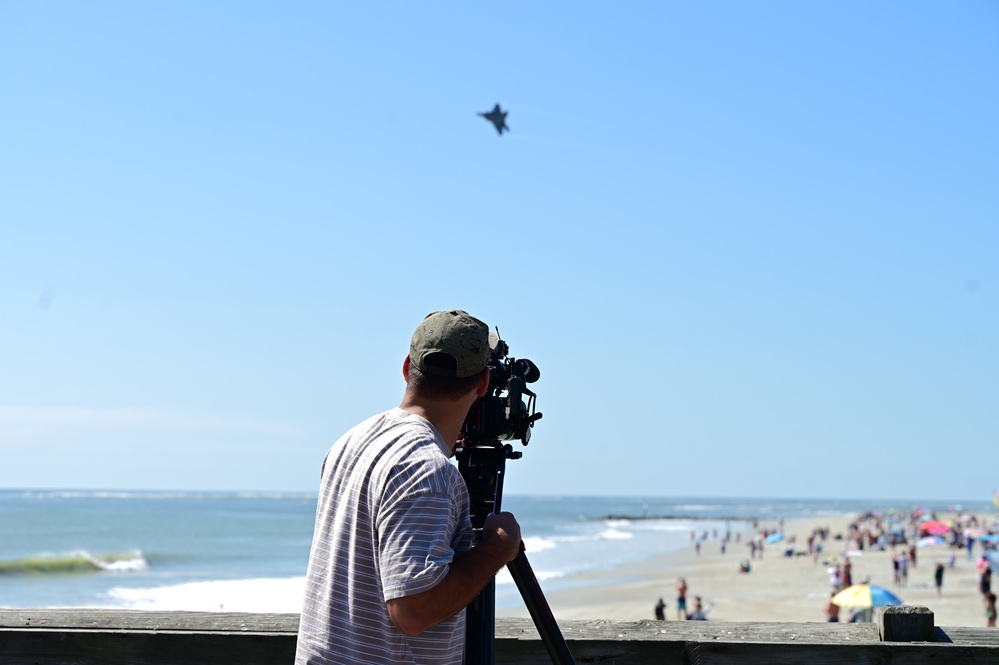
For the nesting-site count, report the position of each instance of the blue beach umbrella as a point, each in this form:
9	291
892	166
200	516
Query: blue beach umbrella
993	558
865	595
929	540
774	537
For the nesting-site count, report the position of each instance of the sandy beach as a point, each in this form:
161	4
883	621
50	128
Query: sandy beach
778	588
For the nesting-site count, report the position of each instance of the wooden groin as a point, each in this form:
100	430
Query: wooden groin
120	637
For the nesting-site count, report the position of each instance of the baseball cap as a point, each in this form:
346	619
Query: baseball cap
462	340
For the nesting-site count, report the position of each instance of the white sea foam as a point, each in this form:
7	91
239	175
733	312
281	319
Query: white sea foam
603	534
534	544
504	577
119	563
252	595
696	507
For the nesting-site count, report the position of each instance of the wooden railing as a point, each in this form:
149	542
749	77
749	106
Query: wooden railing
118	637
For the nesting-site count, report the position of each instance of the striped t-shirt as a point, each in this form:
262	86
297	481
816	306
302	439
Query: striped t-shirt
393	512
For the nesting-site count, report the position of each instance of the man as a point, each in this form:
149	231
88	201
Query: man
698	613
661	610
681	598
832	609
391	568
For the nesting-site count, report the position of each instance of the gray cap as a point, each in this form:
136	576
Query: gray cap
457	335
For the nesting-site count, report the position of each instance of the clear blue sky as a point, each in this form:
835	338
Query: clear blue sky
753	247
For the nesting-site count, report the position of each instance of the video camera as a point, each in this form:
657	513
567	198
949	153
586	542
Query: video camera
495	416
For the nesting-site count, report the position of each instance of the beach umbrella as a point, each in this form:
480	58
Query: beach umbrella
933	528
929	540
774	537
993	558
865	595
989	538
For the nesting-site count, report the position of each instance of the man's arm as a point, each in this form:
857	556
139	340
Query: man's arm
467	575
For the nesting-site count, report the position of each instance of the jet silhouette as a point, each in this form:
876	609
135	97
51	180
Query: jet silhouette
498	118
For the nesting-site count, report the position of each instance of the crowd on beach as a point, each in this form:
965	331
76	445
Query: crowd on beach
902	535
905	533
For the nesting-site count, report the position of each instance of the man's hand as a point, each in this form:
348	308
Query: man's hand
502	532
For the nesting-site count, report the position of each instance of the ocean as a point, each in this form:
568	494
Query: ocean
247	552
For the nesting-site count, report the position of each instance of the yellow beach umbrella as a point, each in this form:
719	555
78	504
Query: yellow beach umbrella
865	595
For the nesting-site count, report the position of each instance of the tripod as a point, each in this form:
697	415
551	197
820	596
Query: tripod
483	468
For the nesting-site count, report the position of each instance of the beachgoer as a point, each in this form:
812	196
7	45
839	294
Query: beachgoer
938	573
835	580
985	582
832	609
990	610
392	567
661	610
698	613
847	574
681	598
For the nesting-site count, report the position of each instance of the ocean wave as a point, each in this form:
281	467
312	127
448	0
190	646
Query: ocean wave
503	576
606	534
613	534
536	544
698	507
74	562
248	595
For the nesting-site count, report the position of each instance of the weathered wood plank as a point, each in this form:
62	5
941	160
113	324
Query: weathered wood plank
963	635
104	647
505	628
114	637
139	620
761	653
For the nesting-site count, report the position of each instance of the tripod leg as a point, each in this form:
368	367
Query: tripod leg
536	604
483	469
480	622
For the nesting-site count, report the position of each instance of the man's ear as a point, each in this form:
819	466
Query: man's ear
405	368
483	386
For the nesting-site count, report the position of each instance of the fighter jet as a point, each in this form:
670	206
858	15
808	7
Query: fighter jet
498	118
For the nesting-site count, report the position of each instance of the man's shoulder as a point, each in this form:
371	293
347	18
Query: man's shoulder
395	419
397	440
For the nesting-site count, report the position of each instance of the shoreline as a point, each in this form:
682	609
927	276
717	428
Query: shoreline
778	588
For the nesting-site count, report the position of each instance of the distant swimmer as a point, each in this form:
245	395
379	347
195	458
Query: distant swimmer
498	118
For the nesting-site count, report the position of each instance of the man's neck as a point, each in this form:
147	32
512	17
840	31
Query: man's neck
446	419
